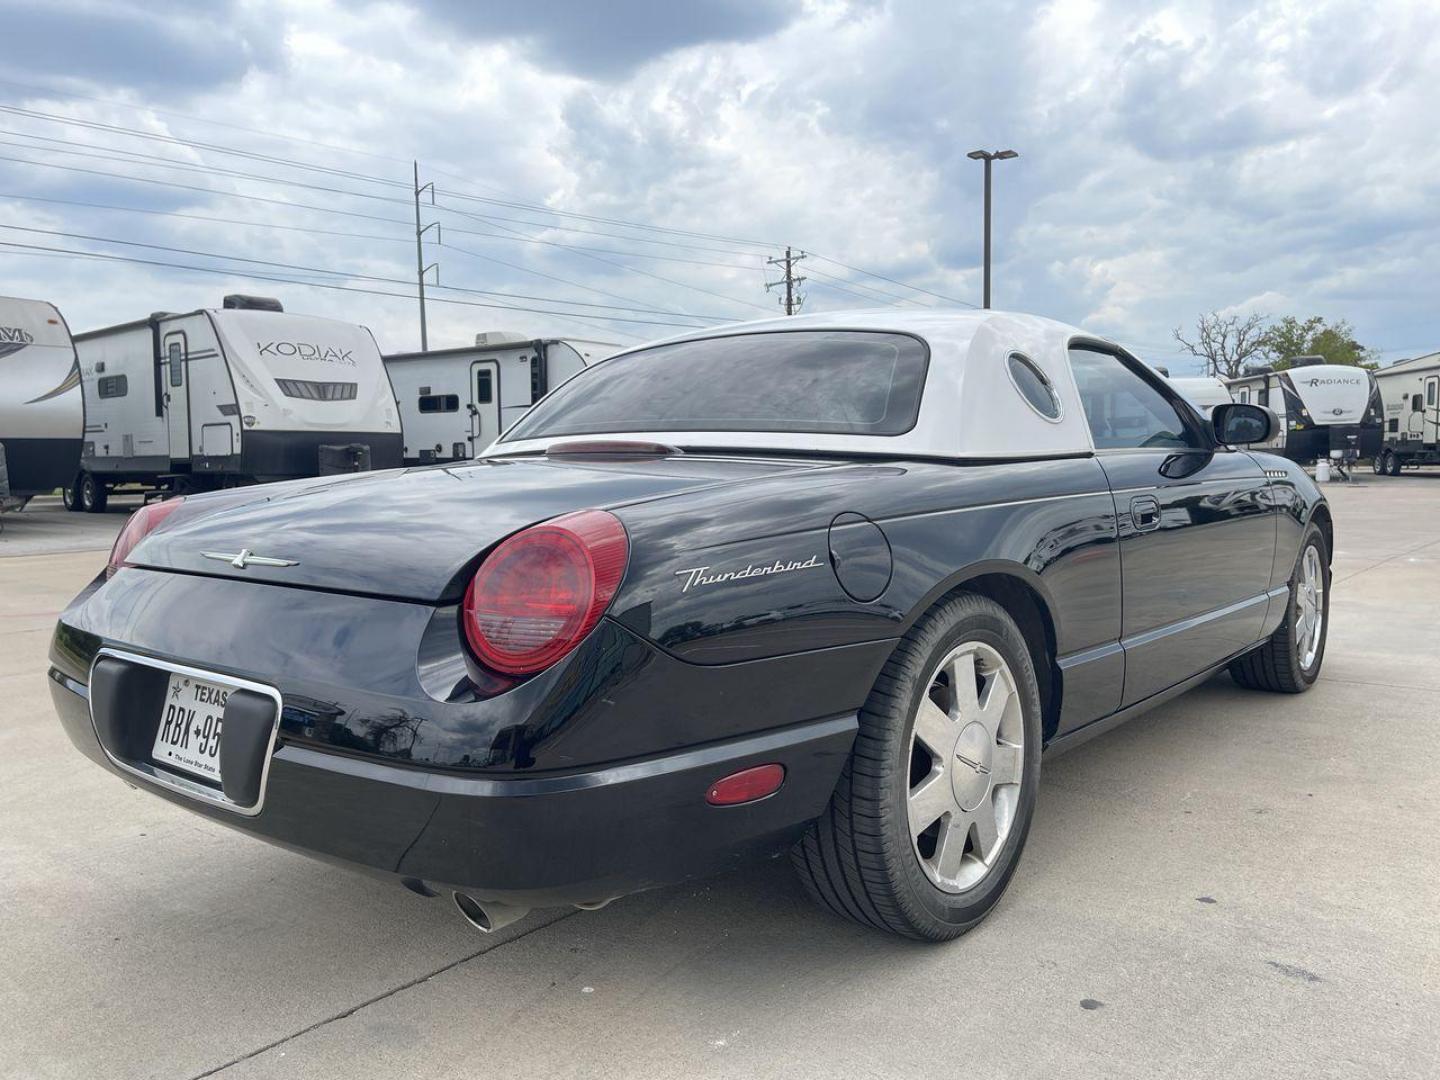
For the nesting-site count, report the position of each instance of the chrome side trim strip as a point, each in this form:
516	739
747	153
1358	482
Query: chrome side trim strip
173	781
1148	636
770	742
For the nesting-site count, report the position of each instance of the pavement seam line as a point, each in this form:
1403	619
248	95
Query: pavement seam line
1389	559
376	999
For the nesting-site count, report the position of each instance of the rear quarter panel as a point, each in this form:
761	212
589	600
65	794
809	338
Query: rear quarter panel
1050	524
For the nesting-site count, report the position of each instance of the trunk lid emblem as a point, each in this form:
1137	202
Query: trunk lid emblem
245	558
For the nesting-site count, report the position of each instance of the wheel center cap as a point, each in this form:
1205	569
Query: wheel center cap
970	765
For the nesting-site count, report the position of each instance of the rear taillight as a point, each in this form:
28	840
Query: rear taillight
141	524
538	594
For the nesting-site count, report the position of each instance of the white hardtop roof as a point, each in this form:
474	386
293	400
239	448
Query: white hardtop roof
970	408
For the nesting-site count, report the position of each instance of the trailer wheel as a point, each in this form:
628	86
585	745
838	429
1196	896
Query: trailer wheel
93	494
1395	463
1378	463
70	495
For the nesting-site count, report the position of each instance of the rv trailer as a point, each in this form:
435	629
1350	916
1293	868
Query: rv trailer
1325	410
456	402
1204	392
42	410
246	393
1410	391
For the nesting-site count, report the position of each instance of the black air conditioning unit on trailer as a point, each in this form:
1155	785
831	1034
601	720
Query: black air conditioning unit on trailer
241	302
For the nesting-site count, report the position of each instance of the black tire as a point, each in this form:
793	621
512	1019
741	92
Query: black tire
858	859
1393	463
93	494
1277	665
1379	463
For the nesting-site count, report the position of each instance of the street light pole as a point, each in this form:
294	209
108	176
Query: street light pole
989	157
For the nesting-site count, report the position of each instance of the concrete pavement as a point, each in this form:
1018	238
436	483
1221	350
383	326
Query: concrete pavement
1236	884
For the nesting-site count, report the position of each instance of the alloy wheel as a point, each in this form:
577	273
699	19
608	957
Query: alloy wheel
1309	607
967	760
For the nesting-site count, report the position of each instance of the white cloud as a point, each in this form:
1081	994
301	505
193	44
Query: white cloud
1175	158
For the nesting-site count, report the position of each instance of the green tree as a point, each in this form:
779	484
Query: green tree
1335	342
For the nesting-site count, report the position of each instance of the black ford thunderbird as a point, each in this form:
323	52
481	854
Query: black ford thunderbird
829	584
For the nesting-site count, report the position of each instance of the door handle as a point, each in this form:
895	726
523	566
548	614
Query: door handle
1145	512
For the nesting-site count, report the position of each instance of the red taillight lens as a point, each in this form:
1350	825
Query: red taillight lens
538	594
141	524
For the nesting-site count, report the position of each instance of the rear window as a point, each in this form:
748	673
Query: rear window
817	382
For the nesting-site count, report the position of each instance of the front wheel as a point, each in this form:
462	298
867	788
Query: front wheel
1379	464
1289	662
932	810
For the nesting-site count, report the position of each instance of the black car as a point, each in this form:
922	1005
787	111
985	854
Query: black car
828	583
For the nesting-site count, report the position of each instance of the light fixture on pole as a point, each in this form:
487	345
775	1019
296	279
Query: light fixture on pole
988	156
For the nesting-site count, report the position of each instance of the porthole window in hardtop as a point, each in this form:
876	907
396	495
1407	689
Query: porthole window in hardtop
1034	386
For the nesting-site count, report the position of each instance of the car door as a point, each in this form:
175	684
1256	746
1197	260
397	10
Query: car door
1197	532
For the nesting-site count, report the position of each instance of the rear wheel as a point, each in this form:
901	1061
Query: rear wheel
931	813
1392	463
70	495
1380	463
92	494
1289	662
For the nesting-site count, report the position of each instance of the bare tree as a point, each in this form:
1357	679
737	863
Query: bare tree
1225	342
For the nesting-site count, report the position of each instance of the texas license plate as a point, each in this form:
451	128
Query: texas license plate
189	734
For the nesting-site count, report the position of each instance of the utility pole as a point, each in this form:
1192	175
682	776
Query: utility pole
989	156
420	268
793	299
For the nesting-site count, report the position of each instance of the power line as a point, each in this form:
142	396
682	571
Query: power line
336	210
355	276
456	194
351	174
251	276
609	262
141	159
894	281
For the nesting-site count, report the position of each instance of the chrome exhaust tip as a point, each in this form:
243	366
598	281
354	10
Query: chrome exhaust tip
487	917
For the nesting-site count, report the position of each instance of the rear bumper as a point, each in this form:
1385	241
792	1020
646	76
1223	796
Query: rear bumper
575	838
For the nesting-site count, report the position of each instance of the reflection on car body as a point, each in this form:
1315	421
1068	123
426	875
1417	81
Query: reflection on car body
829	583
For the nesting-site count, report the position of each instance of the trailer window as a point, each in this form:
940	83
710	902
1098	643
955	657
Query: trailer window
310	390
1430	392
434	403
112	386
484	387
844	382
177	364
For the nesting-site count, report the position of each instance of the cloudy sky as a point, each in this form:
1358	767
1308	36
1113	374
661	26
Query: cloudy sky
639	160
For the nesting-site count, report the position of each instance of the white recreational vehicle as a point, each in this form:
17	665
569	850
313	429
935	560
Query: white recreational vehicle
246	393
42	411
1410	392
1204	392
1325	410
456	402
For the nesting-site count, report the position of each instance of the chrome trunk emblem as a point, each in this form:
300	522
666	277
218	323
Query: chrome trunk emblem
244	557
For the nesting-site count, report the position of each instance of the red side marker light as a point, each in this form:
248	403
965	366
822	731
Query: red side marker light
746	786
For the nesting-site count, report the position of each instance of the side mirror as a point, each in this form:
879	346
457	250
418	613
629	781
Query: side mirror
1238	424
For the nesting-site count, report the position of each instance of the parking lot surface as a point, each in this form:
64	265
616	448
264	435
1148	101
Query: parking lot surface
1236	884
